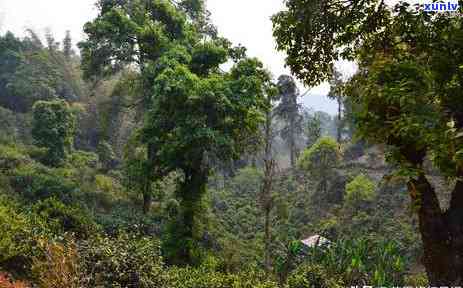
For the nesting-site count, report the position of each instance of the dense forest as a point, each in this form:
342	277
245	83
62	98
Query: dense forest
156	153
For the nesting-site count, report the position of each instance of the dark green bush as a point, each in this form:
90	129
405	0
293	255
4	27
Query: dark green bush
123	217
122	261
313	276
35	182
63	218
362	261
15	231
203	278
18	233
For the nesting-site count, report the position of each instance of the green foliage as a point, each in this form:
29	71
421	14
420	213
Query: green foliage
107	50
63	218
11	156
340	29
16	230
106	155
198	278
53	128
289	110
320	160
8	124
82	159
123	261
359	191
362	261
246	181
123	216
194	110
31	73
313	276
313	129
36	182
323	155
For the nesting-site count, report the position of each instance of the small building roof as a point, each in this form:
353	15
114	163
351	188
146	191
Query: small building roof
315	241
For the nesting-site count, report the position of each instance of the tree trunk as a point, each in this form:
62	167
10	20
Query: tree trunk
267	260
339	128
441	233
292	144
266	194
192	191
454	217
147	201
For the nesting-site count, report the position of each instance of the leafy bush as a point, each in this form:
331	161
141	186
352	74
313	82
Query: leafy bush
81	159
10	154
202	278
123	217
313	276
36	182
104	183
320	160
123	261
65	218
106	155
362	261
15	230
8	125
359	191
58	265
247	181
323	155
54	128
417	280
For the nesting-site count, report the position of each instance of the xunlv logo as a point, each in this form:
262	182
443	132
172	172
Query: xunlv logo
440	7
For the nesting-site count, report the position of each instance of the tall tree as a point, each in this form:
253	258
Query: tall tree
196	119
52	45
313	128
54	128
67	45
266	197
136	33
194	111
289	111
336	93
320	160
407	94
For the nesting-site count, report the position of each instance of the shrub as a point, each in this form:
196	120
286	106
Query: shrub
123	217
417	280
320	160
12	156
104	183
323	155
58	265
36	182
247	181
106	155
123	261
16	232
65	218
8	125
81	159
359	192
313	276
53	128
202	278
362	261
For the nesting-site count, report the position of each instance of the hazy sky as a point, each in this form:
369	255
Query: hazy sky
242	21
